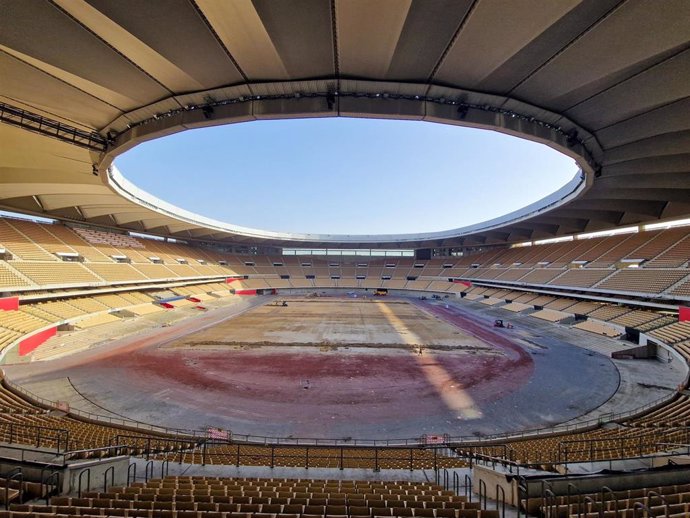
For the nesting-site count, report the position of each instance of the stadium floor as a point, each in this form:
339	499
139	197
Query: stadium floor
533	377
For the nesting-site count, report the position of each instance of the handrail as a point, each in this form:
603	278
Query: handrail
604	490
510	464
660	497
116	449
546	488
569	497
610	444
110	470
56	485
474	457
482	493
502	500
129	471
587	500
468	487
14	474
59	455
675	445
27	449
307	456
88	480
522	488
17	430
149	464
640	505
550	504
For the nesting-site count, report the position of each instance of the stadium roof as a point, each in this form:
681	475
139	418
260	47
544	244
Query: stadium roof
605	81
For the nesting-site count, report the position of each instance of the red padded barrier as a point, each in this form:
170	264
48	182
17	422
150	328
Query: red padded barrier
683	313
29	344
9	303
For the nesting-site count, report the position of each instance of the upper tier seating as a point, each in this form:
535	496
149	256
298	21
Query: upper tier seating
682	290
676	255
62	273
595	264
580	277
100	237
118	272
9	279
20	245
89	252
648	281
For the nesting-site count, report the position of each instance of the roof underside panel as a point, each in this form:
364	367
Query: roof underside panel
156	21
615	71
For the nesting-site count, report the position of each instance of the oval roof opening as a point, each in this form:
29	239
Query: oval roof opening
347	176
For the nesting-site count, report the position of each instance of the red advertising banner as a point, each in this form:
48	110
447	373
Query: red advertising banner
219	434
434	439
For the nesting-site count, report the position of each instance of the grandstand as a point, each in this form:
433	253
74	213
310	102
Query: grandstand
90	263
165	261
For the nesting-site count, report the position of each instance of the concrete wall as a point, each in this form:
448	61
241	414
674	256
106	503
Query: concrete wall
97	469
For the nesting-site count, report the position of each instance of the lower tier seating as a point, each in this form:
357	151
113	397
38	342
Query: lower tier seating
213	497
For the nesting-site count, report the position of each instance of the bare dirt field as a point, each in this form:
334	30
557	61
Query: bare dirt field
335	368
340	322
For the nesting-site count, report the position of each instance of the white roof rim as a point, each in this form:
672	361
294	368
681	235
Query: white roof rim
131	192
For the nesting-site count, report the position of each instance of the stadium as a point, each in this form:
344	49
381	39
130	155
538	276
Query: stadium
160	363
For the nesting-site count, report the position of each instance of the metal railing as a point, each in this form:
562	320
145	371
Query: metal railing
14	474
52	481
604	502
616	447
39	436
342	457
147	446
657	450
86	471
100	452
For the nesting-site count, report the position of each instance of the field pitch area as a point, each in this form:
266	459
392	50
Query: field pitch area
342	322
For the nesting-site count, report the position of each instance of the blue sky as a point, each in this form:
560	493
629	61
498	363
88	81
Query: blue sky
346	176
